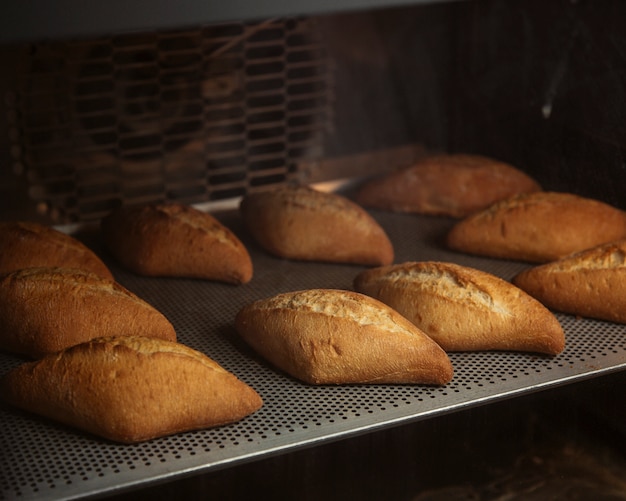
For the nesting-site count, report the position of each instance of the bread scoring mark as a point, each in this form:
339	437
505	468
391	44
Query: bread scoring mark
606	257
30	230
307	198
149	346
63	276
445	283
524	201
198	220
357	308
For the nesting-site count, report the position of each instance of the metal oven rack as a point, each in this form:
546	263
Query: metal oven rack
41	459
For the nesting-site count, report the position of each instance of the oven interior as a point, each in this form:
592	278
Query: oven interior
204	114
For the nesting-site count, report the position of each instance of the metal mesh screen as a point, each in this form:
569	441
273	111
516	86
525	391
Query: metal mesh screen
42	459
195	115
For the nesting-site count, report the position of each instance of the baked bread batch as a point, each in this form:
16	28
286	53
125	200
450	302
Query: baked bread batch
453	185
464	309
538	227
111	364
590	283
328	336
130	389
301	223
108	362
175	240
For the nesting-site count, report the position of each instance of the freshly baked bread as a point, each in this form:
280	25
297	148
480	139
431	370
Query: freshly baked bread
327	336
175	240
44	310
464	309
130	389
538	227
591	283
301	223
453	185
25	244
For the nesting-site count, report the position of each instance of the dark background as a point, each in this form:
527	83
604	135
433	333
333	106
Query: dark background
539	84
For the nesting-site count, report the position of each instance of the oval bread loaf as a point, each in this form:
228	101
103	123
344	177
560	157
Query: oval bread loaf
327	336
175	240
25	244
464	309
44	310
453	185
301	223
591	283
538	227
130	389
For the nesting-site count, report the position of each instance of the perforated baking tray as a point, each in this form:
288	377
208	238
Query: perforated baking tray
41	459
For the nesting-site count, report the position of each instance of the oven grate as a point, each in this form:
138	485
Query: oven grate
41	459
197	115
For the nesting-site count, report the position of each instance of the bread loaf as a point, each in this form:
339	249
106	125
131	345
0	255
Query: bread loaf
25	244
464	309
301	223
453	185
44	310
130	389
175	240
538	227
591	283
326	336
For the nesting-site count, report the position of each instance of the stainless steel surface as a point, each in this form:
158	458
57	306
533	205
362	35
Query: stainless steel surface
41	459
41	19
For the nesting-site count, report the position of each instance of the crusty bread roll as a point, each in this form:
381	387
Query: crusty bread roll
301	223
538	227
453	185
175	240
25	244
130	389
464	309
591	283
327	336
44	310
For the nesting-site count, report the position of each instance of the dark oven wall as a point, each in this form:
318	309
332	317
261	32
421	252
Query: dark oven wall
543	85
538	84
392	74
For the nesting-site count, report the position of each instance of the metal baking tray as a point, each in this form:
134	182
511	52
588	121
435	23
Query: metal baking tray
41	459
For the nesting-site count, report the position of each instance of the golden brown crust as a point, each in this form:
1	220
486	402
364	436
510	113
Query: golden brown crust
44	310
324	336
301	223
538	227
591	283
464	309
174	240
453	185
25	244
130	389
